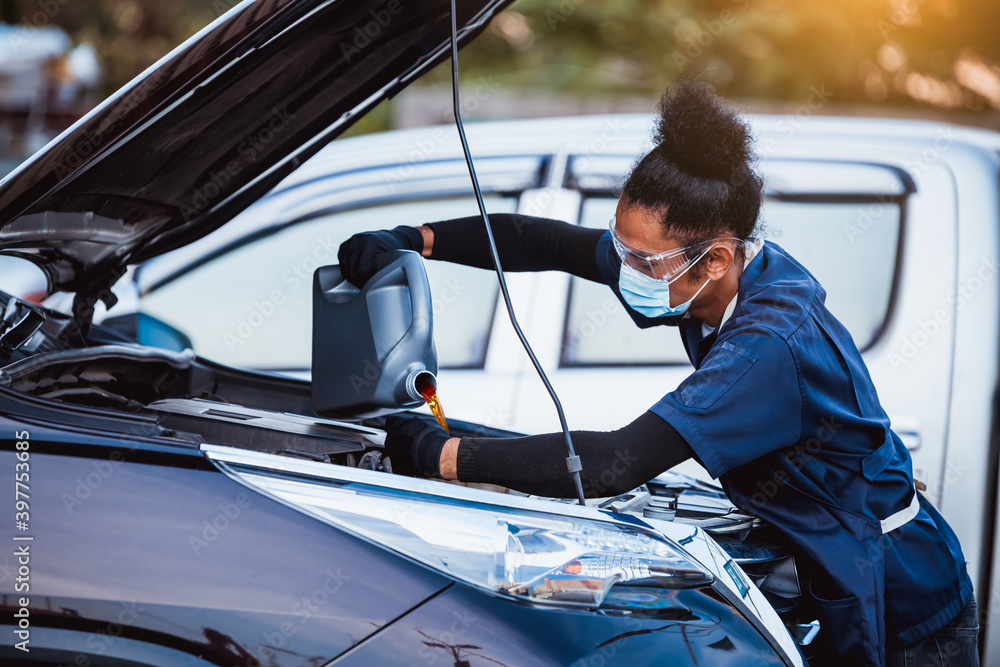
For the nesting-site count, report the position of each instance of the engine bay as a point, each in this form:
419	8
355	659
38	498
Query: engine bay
194	400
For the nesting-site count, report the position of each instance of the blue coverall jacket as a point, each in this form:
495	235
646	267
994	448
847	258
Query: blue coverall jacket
782	410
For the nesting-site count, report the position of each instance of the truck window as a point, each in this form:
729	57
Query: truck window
850	246
252	306
598	330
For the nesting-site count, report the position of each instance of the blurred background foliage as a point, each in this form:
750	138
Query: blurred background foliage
933	56
128	35
938	54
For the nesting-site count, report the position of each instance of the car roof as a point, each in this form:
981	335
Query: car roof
607	144
628	132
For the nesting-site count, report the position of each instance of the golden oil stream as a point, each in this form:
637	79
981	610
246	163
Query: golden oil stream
429	392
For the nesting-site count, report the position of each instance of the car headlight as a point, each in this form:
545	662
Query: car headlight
512	552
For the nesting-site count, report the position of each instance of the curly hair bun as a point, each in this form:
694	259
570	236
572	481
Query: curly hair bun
700	134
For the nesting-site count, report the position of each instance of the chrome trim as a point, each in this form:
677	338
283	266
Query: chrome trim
228	457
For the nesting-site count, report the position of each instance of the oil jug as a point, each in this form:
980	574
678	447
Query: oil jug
373	348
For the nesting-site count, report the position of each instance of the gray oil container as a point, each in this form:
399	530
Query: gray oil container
373	348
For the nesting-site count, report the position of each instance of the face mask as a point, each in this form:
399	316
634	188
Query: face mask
648	296
651	297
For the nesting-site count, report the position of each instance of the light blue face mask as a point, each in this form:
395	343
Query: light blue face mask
648	296
651	297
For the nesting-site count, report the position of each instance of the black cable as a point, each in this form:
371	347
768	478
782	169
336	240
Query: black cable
572	461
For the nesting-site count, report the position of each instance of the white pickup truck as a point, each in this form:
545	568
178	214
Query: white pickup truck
900	221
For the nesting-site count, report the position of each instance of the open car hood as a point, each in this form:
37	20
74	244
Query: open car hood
212	126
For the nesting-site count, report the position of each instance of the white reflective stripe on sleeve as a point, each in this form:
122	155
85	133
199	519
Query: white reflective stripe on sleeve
902	516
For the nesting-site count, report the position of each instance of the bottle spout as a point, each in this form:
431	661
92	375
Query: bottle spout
423	384
417	383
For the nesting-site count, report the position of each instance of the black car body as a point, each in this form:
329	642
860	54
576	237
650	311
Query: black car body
153	523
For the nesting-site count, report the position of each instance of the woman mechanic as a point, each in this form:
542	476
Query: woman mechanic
780	407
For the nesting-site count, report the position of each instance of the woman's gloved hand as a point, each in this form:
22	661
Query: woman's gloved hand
359	255
414	444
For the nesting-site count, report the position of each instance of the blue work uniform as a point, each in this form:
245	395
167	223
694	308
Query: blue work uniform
781	409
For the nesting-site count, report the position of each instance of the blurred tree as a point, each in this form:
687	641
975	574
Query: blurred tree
128	35
931	53
919	53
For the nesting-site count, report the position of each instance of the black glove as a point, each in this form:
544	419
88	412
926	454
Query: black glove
359	255
414	444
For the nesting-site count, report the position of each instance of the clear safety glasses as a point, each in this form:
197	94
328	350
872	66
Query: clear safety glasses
666	266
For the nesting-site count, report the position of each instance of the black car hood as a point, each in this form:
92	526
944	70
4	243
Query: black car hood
213	126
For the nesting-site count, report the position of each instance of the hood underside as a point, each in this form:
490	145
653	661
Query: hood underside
213	126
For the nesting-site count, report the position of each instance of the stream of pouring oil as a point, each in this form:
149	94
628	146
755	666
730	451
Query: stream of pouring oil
429	392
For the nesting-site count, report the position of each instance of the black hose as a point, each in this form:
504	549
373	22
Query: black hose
572	461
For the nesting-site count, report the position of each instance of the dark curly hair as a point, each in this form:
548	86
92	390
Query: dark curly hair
699	178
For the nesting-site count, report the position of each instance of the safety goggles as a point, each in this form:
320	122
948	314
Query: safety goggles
669	265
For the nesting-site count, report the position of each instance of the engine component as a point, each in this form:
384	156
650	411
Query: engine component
664	509
371	460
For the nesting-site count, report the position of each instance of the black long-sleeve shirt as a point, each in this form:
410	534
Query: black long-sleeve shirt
524	243
613	462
